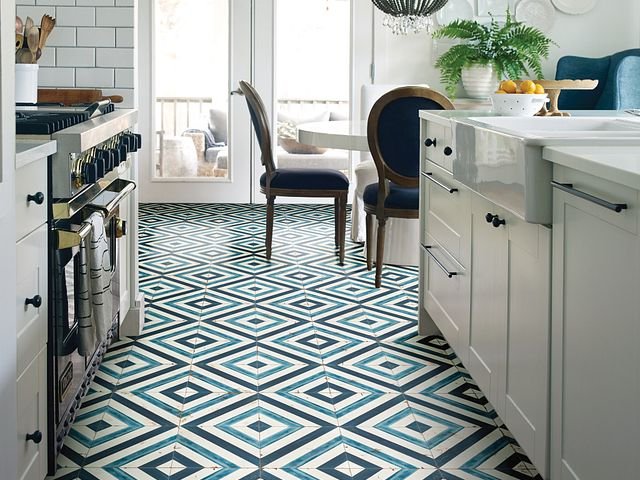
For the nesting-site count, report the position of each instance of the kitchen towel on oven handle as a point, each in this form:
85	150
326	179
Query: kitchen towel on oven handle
82	293
100	276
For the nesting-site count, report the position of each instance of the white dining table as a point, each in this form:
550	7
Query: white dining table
340	134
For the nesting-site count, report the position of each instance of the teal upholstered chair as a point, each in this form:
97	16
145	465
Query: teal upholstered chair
618	81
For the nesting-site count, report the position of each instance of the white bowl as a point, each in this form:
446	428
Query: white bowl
518	104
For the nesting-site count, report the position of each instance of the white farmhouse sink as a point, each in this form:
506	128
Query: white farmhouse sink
501	157
554	127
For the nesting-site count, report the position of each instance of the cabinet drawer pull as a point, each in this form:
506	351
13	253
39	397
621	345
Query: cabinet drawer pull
495	220
36	301
35	437
438	262
430	142
429	176
37	198
568	187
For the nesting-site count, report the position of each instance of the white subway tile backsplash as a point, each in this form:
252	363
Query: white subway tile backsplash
76	16
92	45
124	78
124	37
75	57
56	3
56	77
96	3
114	17
62	37
96	37
35	13
114	57
48	58
95	77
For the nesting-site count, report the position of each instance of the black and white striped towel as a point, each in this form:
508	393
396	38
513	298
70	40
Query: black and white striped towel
100	276
82	302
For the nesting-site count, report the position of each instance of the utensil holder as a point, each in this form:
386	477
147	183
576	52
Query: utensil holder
26	83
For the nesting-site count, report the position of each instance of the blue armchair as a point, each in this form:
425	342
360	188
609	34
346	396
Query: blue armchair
618	78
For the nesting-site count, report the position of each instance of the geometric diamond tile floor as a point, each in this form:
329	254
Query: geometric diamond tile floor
297	368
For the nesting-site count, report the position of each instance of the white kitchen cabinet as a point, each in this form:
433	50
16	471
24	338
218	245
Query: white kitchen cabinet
445	213
510	321
31	306
595	424
488	326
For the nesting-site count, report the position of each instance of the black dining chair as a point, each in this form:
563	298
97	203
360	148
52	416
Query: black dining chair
294	182
393	132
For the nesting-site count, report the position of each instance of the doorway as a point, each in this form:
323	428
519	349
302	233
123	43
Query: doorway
201	135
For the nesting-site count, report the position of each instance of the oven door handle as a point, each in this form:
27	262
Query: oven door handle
125	187
69	238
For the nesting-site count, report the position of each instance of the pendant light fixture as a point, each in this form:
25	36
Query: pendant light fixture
403	16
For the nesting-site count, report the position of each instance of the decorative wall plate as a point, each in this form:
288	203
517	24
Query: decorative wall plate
454	10
537	13
575	7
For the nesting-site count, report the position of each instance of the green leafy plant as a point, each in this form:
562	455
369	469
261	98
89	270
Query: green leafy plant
512	47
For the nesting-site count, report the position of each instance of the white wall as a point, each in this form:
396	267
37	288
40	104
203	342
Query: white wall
604	30
8	444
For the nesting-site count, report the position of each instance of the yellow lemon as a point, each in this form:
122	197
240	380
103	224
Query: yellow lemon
539	89
528	86
508	86
500	91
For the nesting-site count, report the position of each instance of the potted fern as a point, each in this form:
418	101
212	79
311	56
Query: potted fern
493	51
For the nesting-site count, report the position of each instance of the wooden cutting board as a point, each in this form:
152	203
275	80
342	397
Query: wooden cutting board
72	96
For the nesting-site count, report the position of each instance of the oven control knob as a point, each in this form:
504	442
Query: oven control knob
36	301
37	198
90	172
121	227
35	437
138	140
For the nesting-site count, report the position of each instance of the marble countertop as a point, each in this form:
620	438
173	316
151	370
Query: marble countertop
28	151
617	164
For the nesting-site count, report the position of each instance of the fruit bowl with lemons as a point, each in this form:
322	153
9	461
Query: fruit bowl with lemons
523	99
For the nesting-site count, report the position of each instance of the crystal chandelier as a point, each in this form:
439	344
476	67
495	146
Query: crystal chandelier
403	16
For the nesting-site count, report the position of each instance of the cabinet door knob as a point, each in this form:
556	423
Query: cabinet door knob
497	221
489	217
430	142
35	437
37	198
448	151
36	301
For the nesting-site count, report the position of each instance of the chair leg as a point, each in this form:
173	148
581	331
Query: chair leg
369	222
380	251
342	225
270	214
336	226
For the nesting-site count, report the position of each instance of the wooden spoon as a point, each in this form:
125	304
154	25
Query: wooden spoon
46	26
19	25
33	38
28	23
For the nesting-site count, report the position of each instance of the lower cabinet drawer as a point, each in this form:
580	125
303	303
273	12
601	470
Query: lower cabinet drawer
446	295
447	210
31	197
31	389
31	296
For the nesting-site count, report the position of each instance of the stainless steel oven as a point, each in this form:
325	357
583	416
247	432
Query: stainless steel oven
73	369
